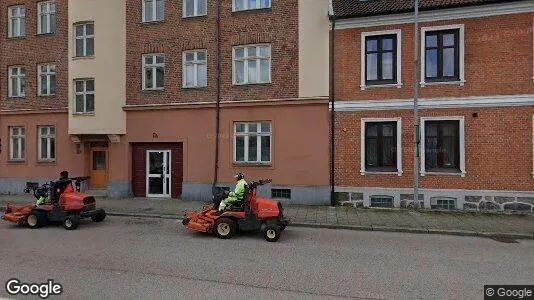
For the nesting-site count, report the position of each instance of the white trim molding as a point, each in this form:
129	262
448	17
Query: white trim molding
461	134
461	53
434	103
468	12
363	59
399	145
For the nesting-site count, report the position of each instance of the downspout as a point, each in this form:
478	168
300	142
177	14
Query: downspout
332	18
218	100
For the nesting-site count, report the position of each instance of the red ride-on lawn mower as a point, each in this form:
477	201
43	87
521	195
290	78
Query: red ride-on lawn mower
65	203
256	214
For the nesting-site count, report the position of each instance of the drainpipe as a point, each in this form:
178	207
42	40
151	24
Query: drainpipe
217	108
332	18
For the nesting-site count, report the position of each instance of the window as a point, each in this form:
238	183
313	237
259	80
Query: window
46	80
17	21
443	203
17	81
442	52
252	64
382	201
85	39
194	8
85	96
252	142
153	10
381	58
195	69
17	147
250	4
46	22
281	193
153	71
381	145
442	145
47	142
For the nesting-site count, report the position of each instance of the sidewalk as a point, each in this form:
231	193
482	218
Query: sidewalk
399	220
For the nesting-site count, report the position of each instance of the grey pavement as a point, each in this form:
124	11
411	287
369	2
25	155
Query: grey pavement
401	220
151	258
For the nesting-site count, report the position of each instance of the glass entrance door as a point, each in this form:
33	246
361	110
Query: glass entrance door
158	173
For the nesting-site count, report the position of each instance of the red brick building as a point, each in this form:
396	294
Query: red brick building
165	98
476	103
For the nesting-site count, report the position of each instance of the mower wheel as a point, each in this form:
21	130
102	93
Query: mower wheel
225	228
99	216
272	232
36	219
71	222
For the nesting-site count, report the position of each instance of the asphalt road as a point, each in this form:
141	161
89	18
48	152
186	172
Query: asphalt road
132	258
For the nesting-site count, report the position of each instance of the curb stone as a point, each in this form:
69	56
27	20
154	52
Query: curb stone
354	227
364	228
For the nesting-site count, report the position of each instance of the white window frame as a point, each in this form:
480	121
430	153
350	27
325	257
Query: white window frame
363	58
195	5
84	93
154	65
21	21
258	134
48	75
363	121
84	37
21	75
461	58
51	139
247	58
195	64
20	137
246	7
461	133
51	10
154	11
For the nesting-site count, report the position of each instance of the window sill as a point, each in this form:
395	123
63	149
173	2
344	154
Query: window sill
377	86
194	17
249	10
461	174
148	23
46	162
45	34
364	173
15	38
431	83
47	96
81	114
153	90
193	88
252	165
252	84
17	97
16	161
83	57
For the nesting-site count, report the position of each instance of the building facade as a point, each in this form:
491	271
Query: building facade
162	98
475	109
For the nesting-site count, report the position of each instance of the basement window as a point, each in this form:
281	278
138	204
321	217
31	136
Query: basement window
381	201
443	203
281	193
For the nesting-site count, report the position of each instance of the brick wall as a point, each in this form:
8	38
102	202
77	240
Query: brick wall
277	25
498	60
498	147
32	50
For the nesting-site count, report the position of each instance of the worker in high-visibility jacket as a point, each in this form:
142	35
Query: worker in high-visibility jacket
236	197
